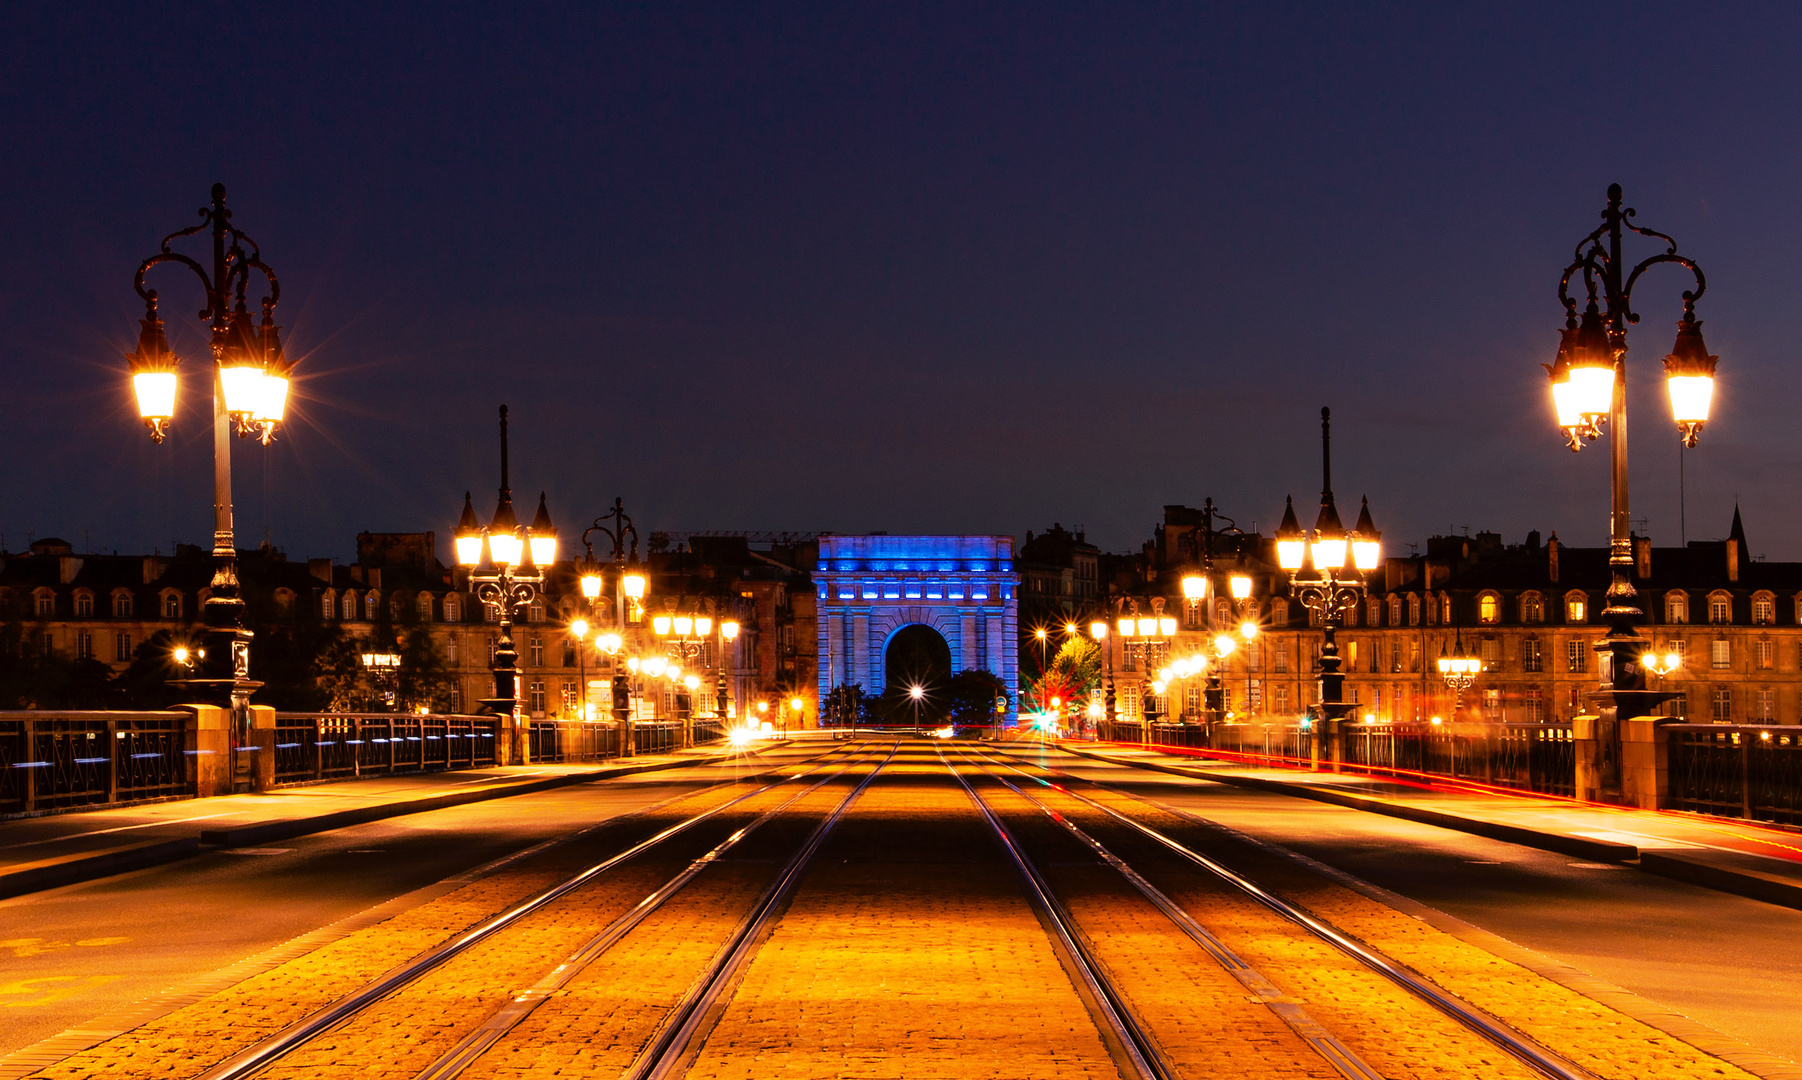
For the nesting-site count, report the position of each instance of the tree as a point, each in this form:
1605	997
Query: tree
423	680
1073	673
849	704
969	697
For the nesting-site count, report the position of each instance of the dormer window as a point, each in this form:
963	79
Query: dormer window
122	605
1764	611
46	605
84	605
1532	608
1576	608
1720	609
1489	608
1676	609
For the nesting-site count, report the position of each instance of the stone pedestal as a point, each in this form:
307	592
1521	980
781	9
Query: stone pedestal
1589	773
210	749
262	736
1645	763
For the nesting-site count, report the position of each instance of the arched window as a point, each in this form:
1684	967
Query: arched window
1489	608
1576	607
328	604
1720	608
347	607
453	608
172	605
423	605
1413	610
46	603
1532	608
1764	609
372	604
122	604
1395	611
1445	609
1676	608
84	604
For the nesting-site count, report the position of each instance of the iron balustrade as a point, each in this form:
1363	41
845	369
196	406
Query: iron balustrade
53	760
329	746
1527	757
1751	771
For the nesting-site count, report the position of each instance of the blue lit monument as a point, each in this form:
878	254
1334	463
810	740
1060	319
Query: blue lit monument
962	587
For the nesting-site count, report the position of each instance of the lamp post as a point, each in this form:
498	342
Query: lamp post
1098	631
1331	590
1589	377
578	629
629	590
1154	632
250	380
506	564
683	634
1198	588
1459	670
384	668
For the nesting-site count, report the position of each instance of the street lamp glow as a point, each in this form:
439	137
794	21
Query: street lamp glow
1291	542
729	629
1248	630
916	691
703	625
1126	627
684	626
1039	633
1098	630
655	666
505	548
591	585
796	704
1224	645
660	625
1148	627
1166	626
1241	586
633	585
609	643
579	629
691	681
1194	587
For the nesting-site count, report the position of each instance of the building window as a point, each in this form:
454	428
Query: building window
122	605
1413	611
1492	704
1723	705
1395	657
537	652
1490	651
1532	609
1576	609
424	606
1720	654
1351	656
1767	653
1376	657
347	609
84	605
1192	699
328	605
84	645
121	647
46	606
1677	707
372	604
1489	608
535	612
1445	609
1414	656
1279	656
1764	612
569	698
1720	609
1534	705
453	609
569	655
450	648
1676	608
1280	695
172	606
1764	705
537	697
491	612
1576	656
1395	611
1530	657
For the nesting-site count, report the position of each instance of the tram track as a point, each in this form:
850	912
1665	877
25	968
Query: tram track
1519	1046
266	1052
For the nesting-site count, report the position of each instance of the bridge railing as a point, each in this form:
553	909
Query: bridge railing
330	746
56	760
1751	771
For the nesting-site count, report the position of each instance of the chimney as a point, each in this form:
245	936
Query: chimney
1551	551
321	569
1642	557
1732	560
153	568
67	567
374	574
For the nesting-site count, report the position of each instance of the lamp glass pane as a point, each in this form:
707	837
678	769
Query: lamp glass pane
591	586
703	626
1329	554
243	387
1098	631
729	629
1594	389
1126	627
1195	587
1565	404
544	550
1691	395
634	585
505	547
1166	626
1241	586
1368	554
274	400
156	394
1148	627
660	625
1290	553
469	549
684	625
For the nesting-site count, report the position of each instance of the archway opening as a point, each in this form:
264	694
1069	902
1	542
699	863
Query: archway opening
916	667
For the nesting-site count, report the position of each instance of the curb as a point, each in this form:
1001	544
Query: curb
1751	884
71	869
1582	847
64	870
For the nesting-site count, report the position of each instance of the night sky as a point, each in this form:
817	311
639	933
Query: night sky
959	268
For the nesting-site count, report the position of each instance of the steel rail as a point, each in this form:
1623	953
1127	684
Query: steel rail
1518	1045
1265	992
454	1061
685	1026
1141	1054
265	1052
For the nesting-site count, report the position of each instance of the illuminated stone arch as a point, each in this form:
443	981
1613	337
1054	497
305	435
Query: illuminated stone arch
871	587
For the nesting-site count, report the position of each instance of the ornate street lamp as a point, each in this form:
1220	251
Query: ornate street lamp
1153	632
1589	377
1334	587
250	392
506	565
630	584
683	635
384	668
1098	631
1459	669
1198	587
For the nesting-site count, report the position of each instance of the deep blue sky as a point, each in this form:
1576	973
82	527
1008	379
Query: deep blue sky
959	268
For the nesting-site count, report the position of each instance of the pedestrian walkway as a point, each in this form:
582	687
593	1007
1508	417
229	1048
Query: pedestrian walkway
1744	857
60	849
